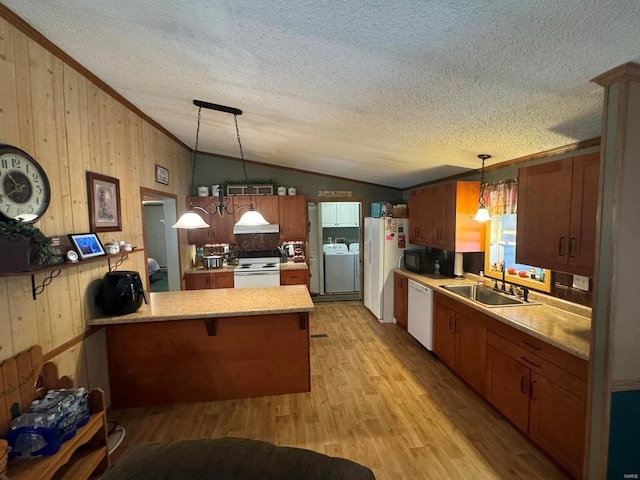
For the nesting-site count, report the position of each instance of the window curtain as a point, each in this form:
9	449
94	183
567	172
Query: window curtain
501	197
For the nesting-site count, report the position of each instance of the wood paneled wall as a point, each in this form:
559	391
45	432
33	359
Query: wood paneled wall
70	125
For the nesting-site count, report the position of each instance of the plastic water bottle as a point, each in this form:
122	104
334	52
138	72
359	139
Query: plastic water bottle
481	279
436	268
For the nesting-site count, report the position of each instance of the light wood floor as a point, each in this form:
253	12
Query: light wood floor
378	398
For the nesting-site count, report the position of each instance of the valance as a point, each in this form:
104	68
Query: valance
501	197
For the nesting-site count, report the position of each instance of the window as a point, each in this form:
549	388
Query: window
501	200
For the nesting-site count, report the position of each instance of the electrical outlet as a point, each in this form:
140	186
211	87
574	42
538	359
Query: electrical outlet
581	283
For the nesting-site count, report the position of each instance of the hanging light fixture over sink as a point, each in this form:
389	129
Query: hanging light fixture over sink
482	215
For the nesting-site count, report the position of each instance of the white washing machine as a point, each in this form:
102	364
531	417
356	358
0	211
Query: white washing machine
339	268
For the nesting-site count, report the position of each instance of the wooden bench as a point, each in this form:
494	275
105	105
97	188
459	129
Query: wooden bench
23	379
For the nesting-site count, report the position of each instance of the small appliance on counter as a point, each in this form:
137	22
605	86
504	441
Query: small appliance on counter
121	292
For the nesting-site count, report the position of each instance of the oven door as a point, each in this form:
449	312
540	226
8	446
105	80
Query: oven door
256	279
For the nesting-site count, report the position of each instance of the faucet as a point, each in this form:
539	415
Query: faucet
503	270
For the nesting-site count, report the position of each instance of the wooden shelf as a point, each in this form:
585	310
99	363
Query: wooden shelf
67	463
57	268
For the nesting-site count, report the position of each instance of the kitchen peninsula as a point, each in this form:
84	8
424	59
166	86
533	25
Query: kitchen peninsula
200	345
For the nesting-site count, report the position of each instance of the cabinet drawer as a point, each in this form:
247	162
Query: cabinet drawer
572	364
294	277
566	380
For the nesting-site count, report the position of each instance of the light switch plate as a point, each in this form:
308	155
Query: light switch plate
581	283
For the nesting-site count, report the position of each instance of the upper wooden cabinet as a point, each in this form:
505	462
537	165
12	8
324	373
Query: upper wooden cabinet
441	216
294	223
557	204
220	228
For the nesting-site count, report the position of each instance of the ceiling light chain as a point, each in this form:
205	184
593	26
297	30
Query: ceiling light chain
195	151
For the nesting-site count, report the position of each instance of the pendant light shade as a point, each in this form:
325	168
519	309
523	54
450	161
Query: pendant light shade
190	220
482	215
252	217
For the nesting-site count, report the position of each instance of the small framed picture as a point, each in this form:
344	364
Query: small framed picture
104	203
87	245
162	175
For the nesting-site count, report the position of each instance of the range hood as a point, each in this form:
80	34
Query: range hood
243	229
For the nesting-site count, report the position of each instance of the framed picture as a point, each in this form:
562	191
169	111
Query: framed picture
104	203
162	175
87	245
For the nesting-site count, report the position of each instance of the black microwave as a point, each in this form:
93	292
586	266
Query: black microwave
418	261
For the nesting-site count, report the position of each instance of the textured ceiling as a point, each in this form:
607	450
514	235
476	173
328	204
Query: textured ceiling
395	93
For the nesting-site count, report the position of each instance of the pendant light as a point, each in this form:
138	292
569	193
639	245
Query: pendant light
482	215
191	219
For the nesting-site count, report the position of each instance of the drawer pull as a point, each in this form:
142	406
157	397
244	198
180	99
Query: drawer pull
530	362
531	345
523	383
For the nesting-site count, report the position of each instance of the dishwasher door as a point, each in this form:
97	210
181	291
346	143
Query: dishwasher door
420	323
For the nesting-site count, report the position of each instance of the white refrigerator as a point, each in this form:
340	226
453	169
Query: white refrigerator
384	244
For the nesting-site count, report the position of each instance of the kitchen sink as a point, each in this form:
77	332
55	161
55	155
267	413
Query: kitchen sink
487	297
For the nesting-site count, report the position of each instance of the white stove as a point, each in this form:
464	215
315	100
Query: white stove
252	272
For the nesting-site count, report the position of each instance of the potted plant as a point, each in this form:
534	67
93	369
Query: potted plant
24	247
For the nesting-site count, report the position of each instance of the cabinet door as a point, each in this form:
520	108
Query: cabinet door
544	202
293	217
444	333
329	214
222	280
470	352
221	229
197	281
584	202
268	206
557	422
347	214
445	216
400	300
416	216
199	236
507	387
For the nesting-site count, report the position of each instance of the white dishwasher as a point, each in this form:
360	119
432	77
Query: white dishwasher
420	323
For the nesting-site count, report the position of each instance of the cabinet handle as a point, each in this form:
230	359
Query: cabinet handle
572	243
524	383
532	392
530	362
561	247
530	345
455	325
450	323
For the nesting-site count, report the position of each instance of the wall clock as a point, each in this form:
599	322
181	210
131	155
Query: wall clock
24	186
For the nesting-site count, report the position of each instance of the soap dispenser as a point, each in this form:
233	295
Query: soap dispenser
436	268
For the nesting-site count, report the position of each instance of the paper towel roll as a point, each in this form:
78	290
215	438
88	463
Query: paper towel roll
457	266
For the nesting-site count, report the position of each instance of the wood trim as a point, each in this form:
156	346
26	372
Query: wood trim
50	355
37	37
625	385
626	71
572	147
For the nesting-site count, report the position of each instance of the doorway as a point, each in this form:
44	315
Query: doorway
334	257
159	213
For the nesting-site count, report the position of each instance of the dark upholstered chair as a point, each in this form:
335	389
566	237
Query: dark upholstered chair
231	459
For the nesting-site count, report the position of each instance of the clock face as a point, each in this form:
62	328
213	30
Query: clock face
24	187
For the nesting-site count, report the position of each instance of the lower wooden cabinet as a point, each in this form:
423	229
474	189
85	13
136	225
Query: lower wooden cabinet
401	300
203	281
459	340
294	277
543	400
538	387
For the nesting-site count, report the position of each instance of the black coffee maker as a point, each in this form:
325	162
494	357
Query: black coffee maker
121	293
